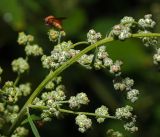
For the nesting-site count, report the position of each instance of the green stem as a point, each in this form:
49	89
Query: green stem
59	38
140	35
53	74
72	112
95	56
17	79
78	43
49	77
62	102
27	58
84	113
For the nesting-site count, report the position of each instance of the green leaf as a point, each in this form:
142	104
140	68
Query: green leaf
34	118
33	127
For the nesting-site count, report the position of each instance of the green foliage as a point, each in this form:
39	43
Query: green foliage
33	127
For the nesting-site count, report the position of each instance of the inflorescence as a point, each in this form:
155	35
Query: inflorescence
52	102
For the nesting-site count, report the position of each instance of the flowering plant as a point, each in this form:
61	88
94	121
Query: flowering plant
49	97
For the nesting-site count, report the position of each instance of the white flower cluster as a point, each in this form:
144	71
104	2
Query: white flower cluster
8	113
116	67
62	53
124	112
37	101
78	100
52	110
83	122
148	41
56	95
130	126
147	22
53	100
100	60
86	60
132	95
121	32
102	112
128	21
152	41
59	55
20	65
93	36
112	133
108	62
25	89
50	100
52	84
11	113
145	26
102	52
13	93
47	62
156	57
128	25
23	39
126	85
33	50
54	34
30	49
20	132
9	91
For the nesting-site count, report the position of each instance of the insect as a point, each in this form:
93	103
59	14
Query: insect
54	21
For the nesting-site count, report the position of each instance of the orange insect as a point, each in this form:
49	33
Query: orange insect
53	21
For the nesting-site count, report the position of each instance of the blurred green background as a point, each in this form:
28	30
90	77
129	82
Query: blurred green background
82	15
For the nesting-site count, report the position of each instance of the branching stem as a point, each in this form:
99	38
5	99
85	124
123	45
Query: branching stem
55	73
73	112
84	113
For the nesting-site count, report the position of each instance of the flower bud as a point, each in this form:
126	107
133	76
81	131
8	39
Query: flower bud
102	111
83	122
20	65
